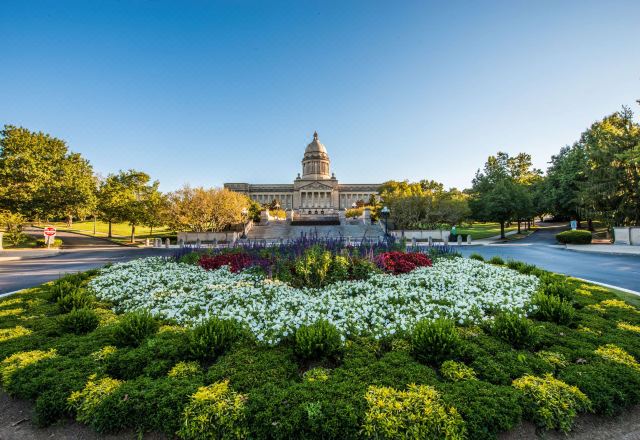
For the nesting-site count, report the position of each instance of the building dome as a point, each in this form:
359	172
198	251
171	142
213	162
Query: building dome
315	146
315	163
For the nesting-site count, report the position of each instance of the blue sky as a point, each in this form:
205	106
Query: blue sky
210	92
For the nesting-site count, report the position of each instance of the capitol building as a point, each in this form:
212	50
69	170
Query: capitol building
316	191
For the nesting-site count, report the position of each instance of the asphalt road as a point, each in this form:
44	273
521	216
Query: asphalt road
16	275
71	240
539	249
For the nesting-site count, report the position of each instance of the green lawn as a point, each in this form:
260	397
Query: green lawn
29	243
484	230
121	232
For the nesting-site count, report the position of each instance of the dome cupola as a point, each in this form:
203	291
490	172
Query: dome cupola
315	163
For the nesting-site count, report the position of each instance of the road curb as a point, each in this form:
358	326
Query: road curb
30	257
584	251
610	286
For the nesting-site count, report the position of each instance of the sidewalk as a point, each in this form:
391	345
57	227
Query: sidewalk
27	254
620	249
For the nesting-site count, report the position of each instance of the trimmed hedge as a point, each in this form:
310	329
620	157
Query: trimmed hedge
574	237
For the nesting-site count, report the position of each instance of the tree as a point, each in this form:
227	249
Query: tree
612	185
73	193
200	209
124	197
499	203
156	209
12	223
111	204
40	178
499	192
564	183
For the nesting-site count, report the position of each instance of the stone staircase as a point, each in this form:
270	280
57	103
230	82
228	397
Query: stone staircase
285	231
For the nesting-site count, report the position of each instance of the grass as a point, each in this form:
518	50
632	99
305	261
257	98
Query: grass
485	230
29	243
516	236
121	232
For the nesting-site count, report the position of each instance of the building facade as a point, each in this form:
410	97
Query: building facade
314	191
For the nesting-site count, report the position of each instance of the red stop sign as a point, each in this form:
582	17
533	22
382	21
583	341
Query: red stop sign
49	231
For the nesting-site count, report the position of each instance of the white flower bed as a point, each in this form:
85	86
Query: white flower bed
460	288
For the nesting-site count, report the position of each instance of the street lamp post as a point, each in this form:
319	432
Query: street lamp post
385	214
244	223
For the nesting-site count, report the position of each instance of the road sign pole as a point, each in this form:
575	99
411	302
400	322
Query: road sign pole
49	235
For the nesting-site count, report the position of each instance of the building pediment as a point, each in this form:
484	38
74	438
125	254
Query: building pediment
316	186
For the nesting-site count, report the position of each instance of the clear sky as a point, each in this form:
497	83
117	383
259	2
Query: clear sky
210	92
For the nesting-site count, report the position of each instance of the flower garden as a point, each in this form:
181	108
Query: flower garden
318	340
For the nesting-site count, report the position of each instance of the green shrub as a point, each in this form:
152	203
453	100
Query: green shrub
558	360
361	268
611	387
418	413
184	369
249	367
320	340
552	403
42	244
434	341
191	258
65	285
215	412
77	298
502	367
574	237
17	361
559	288
523	268
86	401
134	327
553	308
145	404
80	321
613	353
318	374
456	371
514	329
339	269
487	409
496	260
211	338
476	256
312	268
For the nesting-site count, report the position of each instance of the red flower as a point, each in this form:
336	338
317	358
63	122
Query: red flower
401	262
236	261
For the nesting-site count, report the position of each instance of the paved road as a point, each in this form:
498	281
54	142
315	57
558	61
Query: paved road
539	249
71	240
16	275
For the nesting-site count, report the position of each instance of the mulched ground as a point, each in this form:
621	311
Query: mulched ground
16	424
587	427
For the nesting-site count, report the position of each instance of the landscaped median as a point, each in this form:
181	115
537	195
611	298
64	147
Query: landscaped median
319	340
